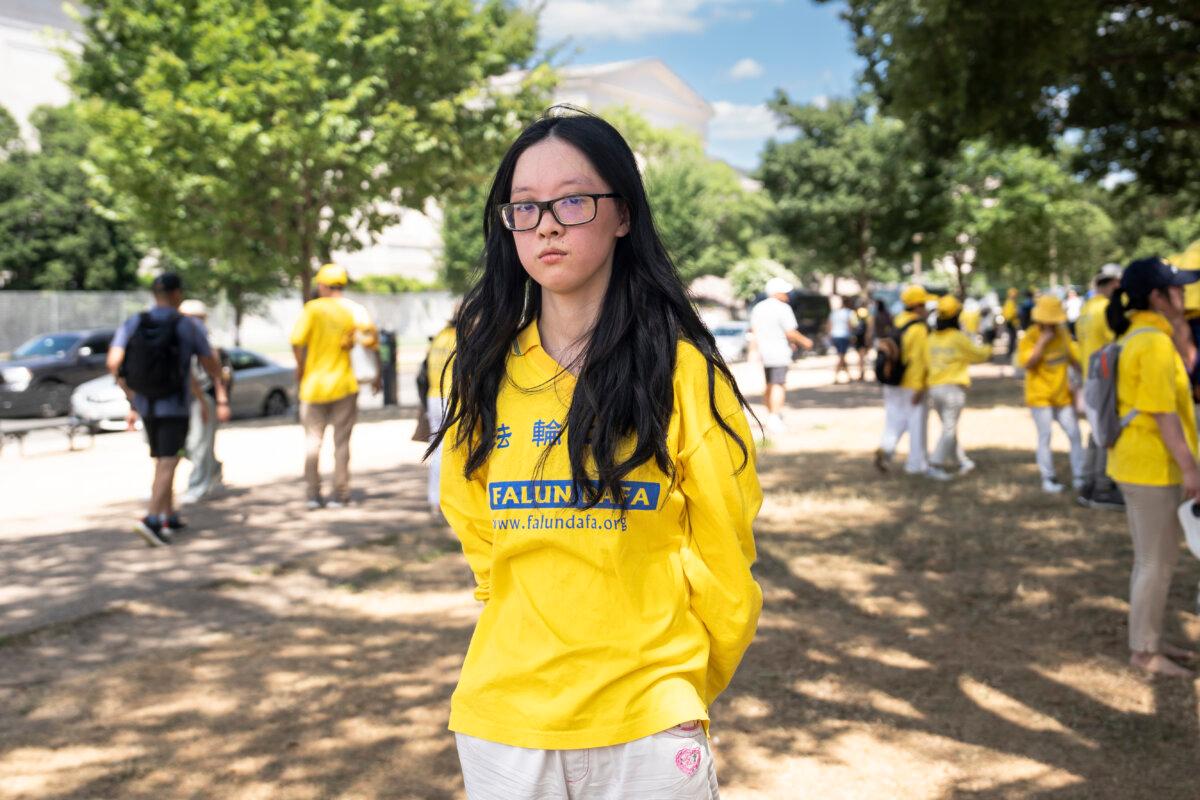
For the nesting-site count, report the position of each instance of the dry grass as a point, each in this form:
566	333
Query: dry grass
919	641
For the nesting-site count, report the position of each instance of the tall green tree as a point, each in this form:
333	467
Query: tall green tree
1124	74
1017	216
850	189
53	233
266	135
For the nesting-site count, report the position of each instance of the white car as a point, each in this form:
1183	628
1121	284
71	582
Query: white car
733	341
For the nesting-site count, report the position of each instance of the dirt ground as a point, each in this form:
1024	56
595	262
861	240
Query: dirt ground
919	640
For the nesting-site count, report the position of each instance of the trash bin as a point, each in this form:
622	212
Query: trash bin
387	358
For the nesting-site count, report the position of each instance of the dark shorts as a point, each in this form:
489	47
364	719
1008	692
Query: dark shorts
776	375
841	344
167	435
859	341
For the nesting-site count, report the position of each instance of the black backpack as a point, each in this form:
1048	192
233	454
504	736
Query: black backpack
153	366
889	361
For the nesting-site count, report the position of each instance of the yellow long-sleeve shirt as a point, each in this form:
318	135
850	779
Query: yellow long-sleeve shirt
949	353
912	352
599	628
1091	330
1047	383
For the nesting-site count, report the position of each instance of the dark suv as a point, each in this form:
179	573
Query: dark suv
38	379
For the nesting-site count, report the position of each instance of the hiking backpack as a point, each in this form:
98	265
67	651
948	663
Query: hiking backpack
152	367
1100	392
889	352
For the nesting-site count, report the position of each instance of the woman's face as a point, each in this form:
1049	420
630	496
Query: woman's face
566	260
1168	302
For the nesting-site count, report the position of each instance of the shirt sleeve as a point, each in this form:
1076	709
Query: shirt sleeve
723	497
1155	365
787	318
914	353
121	337
464	502
197	337
302	328
975	353
1025	348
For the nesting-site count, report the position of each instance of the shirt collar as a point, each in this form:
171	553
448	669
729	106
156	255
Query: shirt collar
527	340
1149	319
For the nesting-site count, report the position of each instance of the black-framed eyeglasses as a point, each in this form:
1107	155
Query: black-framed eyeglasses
574	209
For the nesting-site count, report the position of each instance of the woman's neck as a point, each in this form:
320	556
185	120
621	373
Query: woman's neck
565	326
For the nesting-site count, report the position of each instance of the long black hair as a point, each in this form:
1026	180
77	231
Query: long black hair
1121	303
623	393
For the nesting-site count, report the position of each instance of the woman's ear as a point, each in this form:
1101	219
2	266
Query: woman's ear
623	219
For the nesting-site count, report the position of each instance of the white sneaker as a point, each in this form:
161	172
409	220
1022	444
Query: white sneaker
1078	483
1051	486
938	474
910	471
775	424
314	504
966	466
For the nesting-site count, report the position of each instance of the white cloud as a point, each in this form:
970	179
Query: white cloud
741	122
624	20
746	68
821	101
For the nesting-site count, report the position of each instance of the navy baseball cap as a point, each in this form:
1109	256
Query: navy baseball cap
1145	275
167	282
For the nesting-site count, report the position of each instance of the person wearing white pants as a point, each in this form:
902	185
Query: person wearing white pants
950	353
905	407
441	348
1046	351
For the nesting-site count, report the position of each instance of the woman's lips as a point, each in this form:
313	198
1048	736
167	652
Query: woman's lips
551	256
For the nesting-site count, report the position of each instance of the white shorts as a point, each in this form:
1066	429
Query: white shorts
675	764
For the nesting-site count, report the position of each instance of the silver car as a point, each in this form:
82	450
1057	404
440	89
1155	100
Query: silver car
732	340
261	388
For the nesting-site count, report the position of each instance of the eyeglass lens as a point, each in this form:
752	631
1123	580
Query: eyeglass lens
574	210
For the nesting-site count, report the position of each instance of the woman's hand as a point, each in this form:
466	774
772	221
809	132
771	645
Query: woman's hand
1191	484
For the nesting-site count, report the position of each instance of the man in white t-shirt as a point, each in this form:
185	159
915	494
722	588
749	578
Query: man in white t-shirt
776	334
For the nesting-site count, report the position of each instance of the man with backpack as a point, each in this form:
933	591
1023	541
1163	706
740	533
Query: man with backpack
1092	333
901	366
150	357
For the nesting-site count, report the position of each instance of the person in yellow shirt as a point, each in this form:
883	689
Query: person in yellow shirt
1154	457
1093	333
906	408
441	349
1046	351
949	352
328	328
599	470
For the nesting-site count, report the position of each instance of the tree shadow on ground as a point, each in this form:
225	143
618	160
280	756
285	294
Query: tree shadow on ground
964	611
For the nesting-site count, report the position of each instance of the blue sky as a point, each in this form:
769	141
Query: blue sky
735	53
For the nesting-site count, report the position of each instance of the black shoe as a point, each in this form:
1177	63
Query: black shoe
173	526
1110	502
151	530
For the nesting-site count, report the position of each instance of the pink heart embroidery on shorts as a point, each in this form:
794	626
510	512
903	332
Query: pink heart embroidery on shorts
688	760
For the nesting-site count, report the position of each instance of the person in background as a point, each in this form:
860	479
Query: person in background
950	352
1092	333
1046	351
150	357
1010	311
906	407
206	476
1025	308
1154	458
322	338
841	326
439	371
776	335
860	338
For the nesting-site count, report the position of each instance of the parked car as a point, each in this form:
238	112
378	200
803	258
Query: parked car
261	388
38	379
733	342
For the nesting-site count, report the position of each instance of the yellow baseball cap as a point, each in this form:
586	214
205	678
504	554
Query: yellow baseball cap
1048	310
1189	260
914	295
948	306
332	275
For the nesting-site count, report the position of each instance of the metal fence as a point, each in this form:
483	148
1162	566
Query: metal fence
23	315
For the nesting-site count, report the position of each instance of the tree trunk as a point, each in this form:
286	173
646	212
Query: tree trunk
239	312
958	275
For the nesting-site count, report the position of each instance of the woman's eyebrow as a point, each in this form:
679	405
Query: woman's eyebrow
568	182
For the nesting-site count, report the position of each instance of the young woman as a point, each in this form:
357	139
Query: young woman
599	471
949	352
1154	459
1046	351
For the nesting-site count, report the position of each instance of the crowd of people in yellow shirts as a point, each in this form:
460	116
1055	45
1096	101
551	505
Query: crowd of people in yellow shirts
1138	318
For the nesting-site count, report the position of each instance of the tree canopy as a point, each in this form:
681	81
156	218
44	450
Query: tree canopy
1125	75
266	135
53	233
